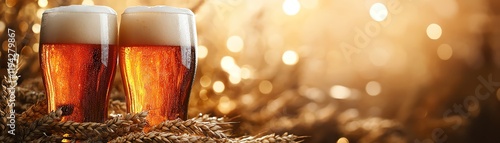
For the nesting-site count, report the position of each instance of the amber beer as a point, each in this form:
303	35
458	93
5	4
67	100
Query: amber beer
158	60
78	58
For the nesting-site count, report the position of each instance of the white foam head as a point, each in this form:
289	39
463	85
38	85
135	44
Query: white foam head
158	25
79	24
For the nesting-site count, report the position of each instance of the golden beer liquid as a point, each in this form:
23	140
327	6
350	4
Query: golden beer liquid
156	80
77	78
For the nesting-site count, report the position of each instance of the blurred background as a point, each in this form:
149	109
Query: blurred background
333	70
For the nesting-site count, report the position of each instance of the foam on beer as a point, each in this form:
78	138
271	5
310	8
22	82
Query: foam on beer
158	25
79	24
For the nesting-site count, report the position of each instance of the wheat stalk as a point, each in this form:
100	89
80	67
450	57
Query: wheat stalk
191	126
26	95
39	126
117	107
271	138
49	139
34	112
110	129
167	138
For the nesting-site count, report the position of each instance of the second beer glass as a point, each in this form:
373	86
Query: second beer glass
158	60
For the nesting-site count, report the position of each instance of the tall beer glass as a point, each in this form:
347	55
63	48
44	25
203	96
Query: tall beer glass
78	60
158	60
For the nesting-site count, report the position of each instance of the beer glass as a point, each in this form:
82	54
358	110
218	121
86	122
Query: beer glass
78	60
157	60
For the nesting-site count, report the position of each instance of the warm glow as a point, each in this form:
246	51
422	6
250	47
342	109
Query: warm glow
247	99
202	51
446	8
218	86
205	81
265	87
39	13
203	94
234	78
343	140
290	57
379	56
444	51
373	88
36	28
246	72
10	3
227	63
325	71
498	94
2	26
23	26
35	47
234	44
434	31
88	2
43	3
378	12
340	92
291	7
309	4
226	105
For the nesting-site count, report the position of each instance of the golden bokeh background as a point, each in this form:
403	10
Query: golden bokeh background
333	70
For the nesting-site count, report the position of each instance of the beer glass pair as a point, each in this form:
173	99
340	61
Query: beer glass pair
156	51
